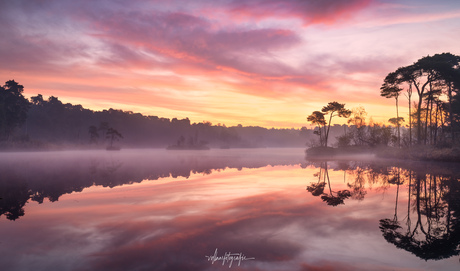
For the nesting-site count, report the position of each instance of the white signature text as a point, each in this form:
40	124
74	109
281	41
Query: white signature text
228	257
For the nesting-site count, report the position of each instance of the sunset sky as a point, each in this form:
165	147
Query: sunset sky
253	62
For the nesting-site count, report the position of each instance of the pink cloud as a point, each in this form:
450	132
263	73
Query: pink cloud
309	11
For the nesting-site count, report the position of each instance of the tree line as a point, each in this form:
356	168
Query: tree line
434	116
39	122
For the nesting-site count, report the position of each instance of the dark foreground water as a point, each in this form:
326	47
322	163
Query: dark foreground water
264	209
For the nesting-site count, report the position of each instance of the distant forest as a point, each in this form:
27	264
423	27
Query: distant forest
46	123
55	122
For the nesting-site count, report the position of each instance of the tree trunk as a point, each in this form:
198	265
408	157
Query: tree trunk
420	92
419	110
451	119
328	127
431	121
436	125
397	119
441	122
409	94
427	113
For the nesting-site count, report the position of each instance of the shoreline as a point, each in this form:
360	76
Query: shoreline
416	153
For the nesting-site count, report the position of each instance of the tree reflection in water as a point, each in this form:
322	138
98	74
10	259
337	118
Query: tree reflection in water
435	234
14	196
430	227
317	189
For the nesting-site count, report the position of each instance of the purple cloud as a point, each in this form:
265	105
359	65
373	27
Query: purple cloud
183	37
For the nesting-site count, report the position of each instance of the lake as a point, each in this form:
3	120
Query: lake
238	209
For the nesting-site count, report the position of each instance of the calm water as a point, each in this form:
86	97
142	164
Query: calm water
174	210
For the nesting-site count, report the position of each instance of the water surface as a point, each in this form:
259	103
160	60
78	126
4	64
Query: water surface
171	210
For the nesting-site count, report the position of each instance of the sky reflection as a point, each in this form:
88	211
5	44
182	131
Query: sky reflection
173	223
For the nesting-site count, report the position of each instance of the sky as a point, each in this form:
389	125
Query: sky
267	63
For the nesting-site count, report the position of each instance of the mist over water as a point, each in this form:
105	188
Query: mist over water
152	209
40	175
140	164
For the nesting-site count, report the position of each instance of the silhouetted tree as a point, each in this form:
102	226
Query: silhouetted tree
409	98
378	135
103	127
13	108
181	141
113	135
390	89
37	100
455	108
93	134
334	109
318	119
397	122
358	120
